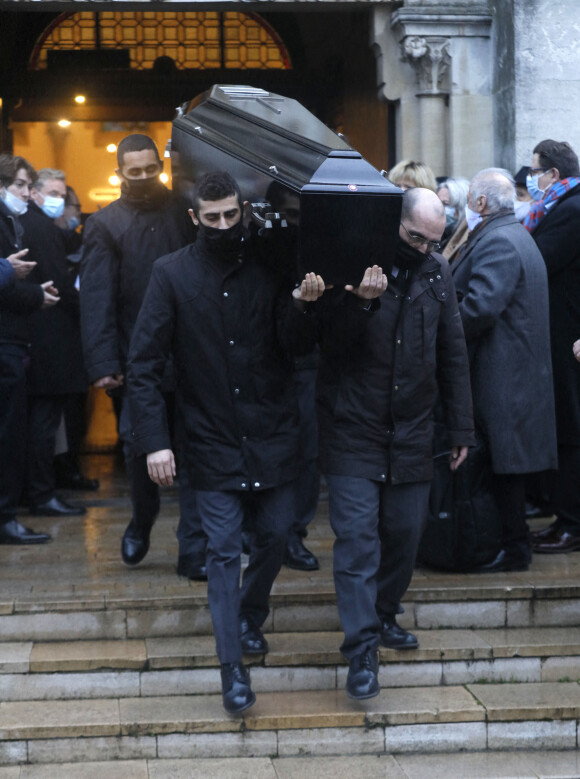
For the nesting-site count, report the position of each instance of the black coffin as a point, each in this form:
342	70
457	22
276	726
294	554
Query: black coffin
346	213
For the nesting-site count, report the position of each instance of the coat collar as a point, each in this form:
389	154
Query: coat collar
493	223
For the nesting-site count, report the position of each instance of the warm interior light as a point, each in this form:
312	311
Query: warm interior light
114	181
80	99
112	148
64	123
164	178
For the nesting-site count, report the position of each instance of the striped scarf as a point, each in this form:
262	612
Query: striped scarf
538	210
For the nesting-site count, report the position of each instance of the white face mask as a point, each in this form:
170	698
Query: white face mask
472	217
14	204
521	209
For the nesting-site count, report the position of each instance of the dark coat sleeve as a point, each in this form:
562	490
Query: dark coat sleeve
6	273
99	282
148	353
22	297
342	319
453	370
491	286
557	236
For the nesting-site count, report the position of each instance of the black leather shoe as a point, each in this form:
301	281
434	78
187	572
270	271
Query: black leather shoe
135	543
14	533
550	532
394	636
363	676
237	694
76	481
560	542
252	638
298	557
56	507
188	566
504	561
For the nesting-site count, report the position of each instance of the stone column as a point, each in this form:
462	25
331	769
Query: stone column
437	68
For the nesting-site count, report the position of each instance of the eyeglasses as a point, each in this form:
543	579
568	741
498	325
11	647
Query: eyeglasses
533	171
415	239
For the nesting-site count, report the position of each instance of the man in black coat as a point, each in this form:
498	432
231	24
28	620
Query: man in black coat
120	244
231	326
382	363
554	222
502	287
18	300
56	360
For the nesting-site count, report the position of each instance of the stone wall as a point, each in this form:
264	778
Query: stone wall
547	74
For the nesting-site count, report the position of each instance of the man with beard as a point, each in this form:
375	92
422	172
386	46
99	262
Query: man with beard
387	347
120	244
231	326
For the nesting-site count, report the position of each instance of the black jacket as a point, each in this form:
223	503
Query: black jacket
120	245
56	358
558	239
19	299
232	329
380	371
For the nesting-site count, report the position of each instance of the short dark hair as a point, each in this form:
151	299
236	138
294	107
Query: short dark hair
135	142
410	198
560	155
214	186
9	167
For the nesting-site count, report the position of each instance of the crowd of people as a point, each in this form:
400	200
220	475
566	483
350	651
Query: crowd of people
211	345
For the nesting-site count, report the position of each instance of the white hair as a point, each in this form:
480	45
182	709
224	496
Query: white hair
498	186
458	189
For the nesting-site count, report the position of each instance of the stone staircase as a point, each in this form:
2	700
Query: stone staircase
100	664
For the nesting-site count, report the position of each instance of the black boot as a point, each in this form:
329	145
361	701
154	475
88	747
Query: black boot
236	691
145	500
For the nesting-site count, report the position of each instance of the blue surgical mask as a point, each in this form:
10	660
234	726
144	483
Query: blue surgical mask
73	222
449	215
53	206
472	217
534	187
14	204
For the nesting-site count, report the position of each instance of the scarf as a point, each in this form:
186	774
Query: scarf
538	210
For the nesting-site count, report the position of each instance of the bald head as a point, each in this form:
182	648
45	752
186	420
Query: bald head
491	190
423	215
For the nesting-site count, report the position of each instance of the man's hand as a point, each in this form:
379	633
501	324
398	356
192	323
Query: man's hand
458	455
161	467
373	284
576	350
21	268
310	289
109	382
51	297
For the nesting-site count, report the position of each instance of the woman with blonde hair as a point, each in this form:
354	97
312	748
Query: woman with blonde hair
407	174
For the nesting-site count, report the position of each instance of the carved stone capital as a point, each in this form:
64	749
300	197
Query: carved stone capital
430	58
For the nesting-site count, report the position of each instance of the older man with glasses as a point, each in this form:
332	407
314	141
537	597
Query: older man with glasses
386	348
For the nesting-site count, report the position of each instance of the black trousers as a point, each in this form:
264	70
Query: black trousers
44	417
510	496
565	488
378	527
13	407
222	515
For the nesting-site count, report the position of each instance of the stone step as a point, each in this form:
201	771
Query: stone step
309	661
427	719
466	765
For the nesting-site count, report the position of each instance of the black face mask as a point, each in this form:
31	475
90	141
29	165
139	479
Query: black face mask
223	243
407	257
142	191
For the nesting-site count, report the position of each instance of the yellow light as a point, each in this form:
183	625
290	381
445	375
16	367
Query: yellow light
114	181
80	99
112	148
164	178
64	123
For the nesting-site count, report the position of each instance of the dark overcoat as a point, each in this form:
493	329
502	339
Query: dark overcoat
56	357
120	244
231	329
558	238
380	372
502	288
